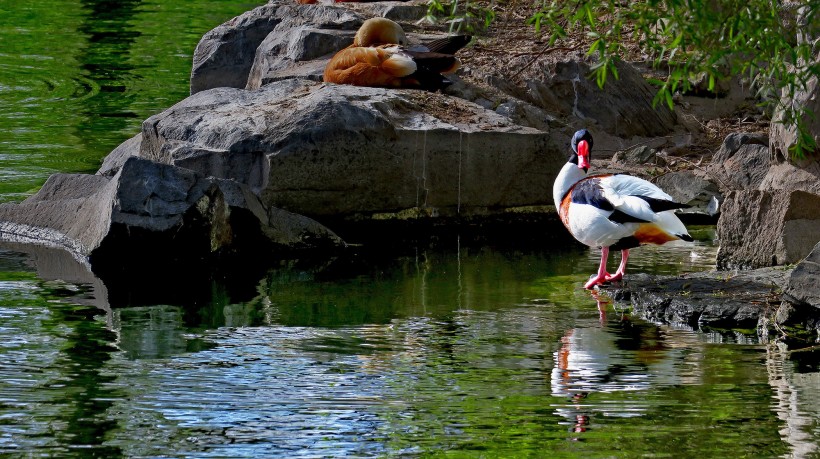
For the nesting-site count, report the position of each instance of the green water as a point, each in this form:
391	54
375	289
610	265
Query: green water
78	77
457	351
461	350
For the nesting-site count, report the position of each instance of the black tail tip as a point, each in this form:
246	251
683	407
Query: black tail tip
685	237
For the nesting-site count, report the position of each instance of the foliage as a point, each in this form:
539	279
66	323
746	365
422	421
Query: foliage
462	17
699	39
707	40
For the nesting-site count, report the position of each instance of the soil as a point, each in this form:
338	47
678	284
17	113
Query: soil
510	48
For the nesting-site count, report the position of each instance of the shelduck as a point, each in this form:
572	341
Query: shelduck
381	56
612	211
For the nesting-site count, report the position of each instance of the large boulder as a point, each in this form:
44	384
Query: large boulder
333	150
767	228
147	209
803	175
284	40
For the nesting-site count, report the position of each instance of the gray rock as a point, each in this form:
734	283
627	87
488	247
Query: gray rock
733	142
224	56
742	162
802	175
803	287
687	187
527	115
635	156
767	228
114	161
345	151
623	108
284	40
149	207
705	299
783	138
302	43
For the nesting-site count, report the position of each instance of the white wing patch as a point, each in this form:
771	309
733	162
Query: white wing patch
400	61
624	192
627	185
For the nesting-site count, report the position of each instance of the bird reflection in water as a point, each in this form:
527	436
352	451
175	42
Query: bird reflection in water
615	354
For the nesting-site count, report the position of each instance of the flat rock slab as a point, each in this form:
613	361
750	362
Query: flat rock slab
714	299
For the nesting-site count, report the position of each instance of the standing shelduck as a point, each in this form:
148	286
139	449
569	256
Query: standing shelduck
612	211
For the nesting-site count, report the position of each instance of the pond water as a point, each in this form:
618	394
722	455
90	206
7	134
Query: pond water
459	351
462	349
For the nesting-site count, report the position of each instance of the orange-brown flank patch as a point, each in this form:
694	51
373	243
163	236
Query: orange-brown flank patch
563	212
649	233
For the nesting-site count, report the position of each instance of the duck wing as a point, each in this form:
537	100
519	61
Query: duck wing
635	198
370	66
445	45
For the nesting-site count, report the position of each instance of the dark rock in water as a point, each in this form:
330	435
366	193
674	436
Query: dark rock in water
798	318
767	228
701	300
780	303
154	211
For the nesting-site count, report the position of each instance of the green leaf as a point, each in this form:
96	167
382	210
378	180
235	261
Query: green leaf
669	102
593	47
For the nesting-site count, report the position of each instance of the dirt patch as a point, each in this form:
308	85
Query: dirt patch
510	50
454	111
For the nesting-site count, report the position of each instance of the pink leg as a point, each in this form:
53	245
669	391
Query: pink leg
602	275
619	274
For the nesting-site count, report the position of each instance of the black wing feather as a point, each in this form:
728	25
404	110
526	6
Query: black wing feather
660	205
623	217
448	45
590	192
432	62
